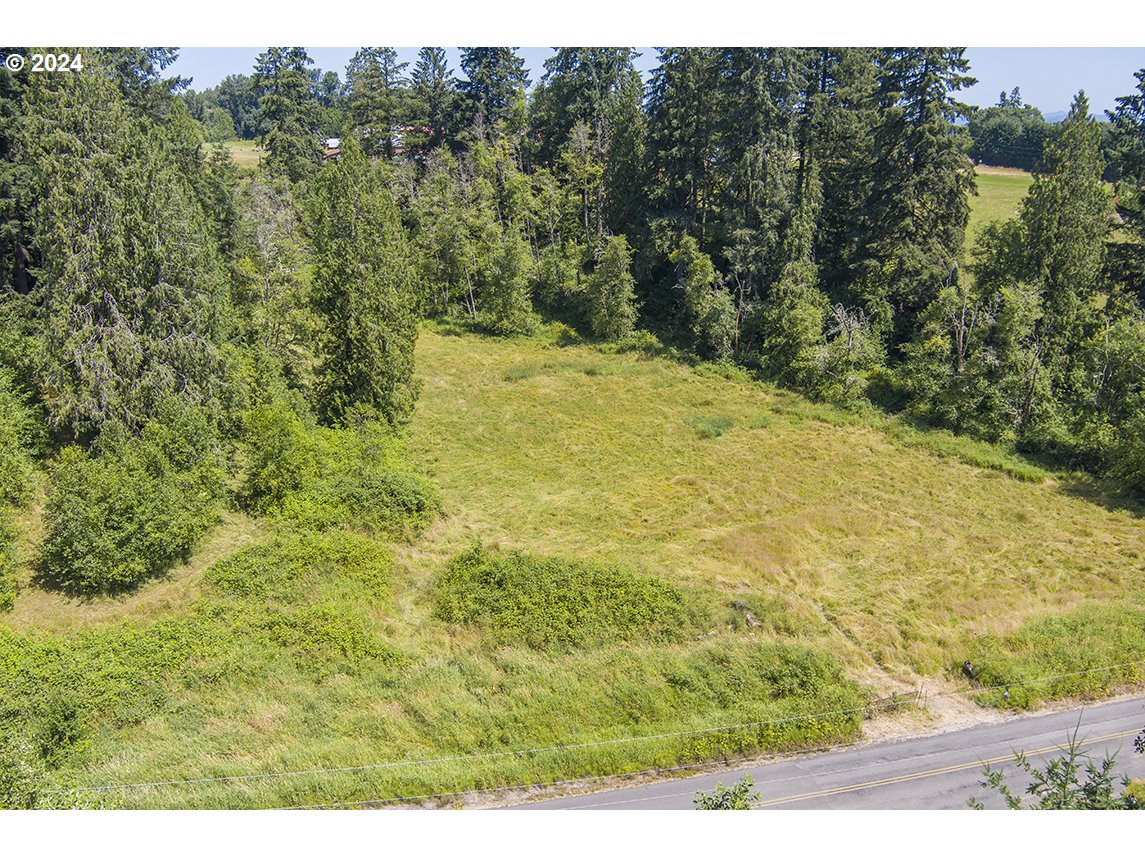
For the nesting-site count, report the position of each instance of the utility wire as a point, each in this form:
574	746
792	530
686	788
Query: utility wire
565	782
580	745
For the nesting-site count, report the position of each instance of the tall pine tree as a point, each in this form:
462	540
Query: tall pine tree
363	291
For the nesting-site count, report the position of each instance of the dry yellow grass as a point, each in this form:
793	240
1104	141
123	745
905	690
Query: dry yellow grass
888	554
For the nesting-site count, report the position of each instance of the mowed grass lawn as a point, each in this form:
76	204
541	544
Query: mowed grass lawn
1000	194
882	553
246	153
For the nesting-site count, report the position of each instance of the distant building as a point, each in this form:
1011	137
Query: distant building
332	150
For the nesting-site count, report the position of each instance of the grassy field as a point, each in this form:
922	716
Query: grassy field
870	556
1000	194
246	153
876	550
608	519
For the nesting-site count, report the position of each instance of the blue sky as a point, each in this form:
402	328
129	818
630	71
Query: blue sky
1048	77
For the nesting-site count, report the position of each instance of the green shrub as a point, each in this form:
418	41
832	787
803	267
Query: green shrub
1129	461
289	569
1066	649
640	341
15	428
611	292
326	478
25	783
326	639
742	796
280	452
709	425
548	603
133	507
304	593
7	567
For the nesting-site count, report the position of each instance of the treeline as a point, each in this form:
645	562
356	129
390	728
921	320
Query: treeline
798	211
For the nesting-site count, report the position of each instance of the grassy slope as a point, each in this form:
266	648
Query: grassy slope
879	552
848	535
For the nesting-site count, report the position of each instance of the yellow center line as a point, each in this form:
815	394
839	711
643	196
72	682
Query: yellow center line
929	772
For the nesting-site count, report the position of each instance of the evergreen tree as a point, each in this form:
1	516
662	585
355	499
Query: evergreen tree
288	113
915	217
447	257
760	90
624	161
580	86
15	253
611	292
128	290
434	98
1128	122
1066	218
495	81
363	292
710	312
682	144
376	84
138	72
836	145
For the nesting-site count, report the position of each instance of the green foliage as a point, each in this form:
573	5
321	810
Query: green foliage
914	219
1009	134
503	302
1062	647
433	100
288	113
8	563
495	80
611	292
320	478
742	796
129	291
15	434
786	336
133	507
375	98
1059	785
549	603
851	353
709	308
363	293
26	784
309	595
1066	216
217	125
1130	455
281	455
287	568
374	83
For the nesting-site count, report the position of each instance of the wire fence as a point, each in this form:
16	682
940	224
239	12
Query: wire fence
918	697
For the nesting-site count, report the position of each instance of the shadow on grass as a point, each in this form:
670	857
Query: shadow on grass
1104	493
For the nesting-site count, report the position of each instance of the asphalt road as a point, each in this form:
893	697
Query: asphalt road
933	772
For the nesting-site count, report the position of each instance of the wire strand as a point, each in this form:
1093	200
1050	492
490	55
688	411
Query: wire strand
577	746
